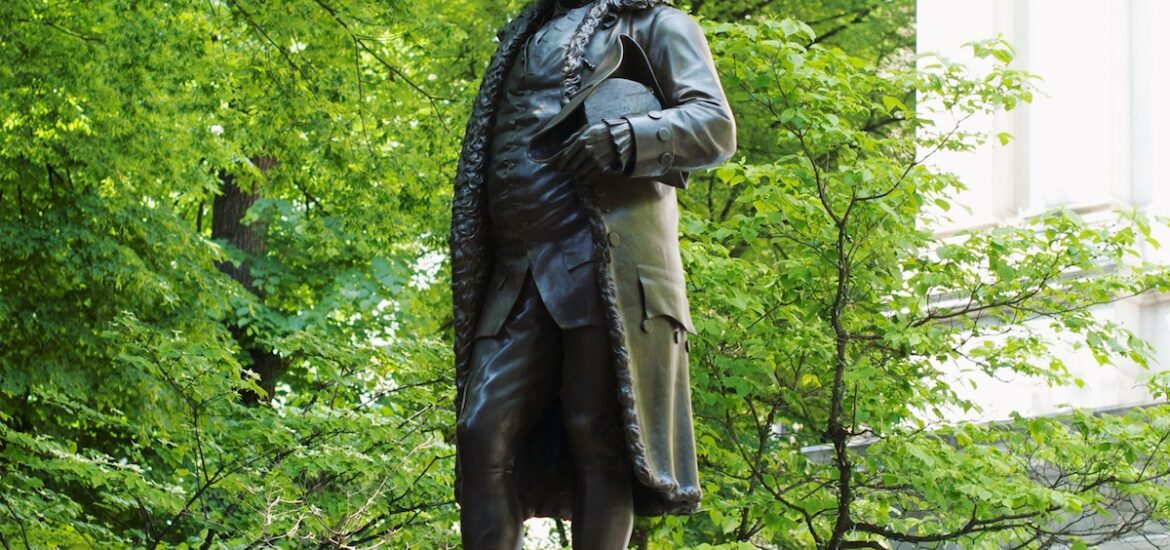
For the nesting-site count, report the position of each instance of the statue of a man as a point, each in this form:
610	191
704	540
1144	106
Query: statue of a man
571	316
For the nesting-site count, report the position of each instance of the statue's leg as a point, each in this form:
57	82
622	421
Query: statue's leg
511	383
603	511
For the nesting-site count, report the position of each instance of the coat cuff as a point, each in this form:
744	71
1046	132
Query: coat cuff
623	141
653	146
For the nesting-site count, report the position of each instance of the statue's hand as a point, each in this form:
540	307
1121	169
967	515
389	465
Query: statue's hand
588	152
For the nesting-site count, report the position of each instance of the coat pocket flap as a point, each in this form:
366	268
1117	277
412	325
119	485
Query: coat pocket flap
664	293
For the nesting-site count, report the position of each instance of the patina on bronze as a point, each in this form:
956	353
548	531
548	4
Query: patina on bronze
571	316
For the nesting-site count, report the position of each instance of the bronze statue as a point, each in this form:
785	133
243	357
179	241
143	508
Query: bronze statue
571	316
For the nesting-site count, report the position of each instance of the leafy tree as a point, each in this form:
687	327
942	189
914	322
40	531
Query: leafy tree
879	31
137	136
223	322
832	319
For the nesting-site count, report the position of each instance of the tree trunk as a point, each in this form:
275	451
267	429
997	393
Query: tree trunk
227	215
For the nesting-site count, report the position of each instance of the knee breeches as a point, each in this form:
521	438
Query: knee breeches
516	374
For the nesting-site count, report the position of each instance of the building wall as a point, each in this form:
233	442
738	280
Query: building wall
1097	139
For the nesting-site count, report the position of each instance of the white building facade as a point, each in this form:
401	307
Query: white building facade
1095	139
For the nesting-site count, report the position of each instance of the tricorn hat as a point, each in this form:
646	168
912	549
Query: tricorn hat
623	85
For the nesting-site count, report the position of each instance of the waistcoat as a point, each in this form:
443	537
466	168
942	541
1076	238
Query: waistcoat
538	223
528	201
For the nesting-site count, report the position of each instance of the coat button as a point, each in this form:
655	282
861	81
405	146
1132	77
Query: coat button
614	240
664	134
666	159
654	114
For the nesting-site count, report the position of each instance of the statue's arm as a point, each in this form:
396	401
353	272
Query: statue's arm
697	129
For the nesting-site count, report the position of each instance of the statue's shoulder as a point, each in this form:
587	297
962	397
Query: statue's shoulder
657	11
664	20
667	10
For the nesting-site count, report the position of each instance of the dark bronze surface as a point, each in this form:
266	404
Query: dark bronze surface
517	375
623	84
527	199
571	316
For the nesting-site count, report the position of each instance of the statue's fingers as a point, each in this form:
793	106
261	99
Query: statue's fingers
558	159
595	132
569	160
574	137
592	170
579	161
566	156
585	156
608	161
595	156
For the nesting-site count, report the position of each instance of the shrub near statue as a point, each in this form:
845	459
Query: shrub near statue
571	317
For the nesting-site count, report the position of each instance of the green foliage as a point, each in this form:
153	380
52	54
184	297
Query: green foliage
879	31
830	314
834	319
121	423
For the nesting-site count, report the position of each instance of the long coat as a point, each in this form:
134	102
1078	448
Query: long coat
634	221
